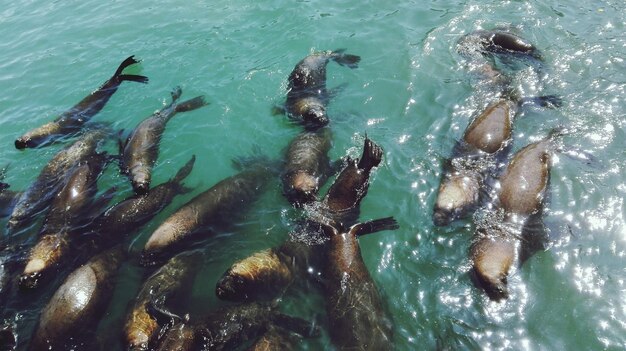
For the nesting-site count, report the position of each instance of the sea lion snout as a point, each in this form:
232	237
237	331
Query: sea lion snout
302	189
442	217
141	188
21	143
315	117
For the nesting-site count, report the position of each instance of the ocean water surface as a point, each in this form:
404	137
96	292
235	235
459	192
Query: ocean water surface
412	94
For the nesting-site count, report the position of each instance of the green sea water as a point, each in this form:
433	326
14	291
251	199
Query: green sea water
411	93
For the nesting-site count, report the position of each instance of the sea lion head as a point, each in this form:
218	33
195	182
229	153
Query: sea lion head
315	116
492	259
231	287
457	195
23	142
140	180
301	188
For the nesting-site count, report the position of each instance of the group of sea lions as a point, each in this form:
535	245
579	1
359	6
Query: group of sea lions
509	192
81	235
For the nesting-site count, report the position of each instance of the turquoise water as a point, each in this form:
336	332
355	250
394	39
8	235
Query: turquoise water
412	94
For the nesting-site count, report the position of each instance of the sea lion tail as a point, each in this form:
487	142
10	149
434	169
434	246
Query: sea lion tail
183	173
373	226
191	104
372	155
344	59
297	325
130	77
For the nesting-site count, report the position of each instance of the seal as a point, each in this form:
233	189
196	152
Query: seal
180	337
228	327
497	247
356	317
497	42
72	120
168	282
216	207
275	338
76	307
66	214
52	178
307	166
466	177
141	149
307	95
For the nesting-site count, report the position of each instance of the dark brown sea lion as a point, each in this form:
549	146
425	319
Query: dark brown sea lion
52	178
497	42
523	187
65	216
357	319
476	157
215	207
130	214
8	198
176	275
306	166
229	327
180	337
72	120
307	96
76	307
141	149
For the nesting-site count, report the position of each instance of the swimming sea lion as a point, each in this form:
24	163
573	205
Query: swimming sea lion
275	338
306	166
52	178
215	207
65	215
497	42
72	120
357	319
476	157
228	327
176	275
141	149
307	96
132	213
180	337
8	198
76	307
523	187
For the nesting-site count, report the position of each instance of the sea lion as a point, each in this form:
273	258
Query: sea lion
65	216
228	327
275	338
497	42
52	178
141	149
266	274
357	319
72	120
180	337
76	307
476	157
523	187
176	275
8	198
132	213
307	96
215	207
306	166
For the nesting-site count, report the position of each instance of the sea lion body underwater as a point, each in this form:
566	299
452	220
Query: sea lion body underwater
307	166
275	338
212	209
523	187
176	275
477	156
307	96
77	306
357	318
52	178
65	216
141	149
268	273
497	42
72	120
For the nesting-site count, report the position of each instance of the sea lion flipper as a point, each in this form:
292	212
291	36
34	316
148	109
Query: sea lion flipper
279	110
372	155
373	226
185	170
297	325
548	101
191	104
134	78
344	59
